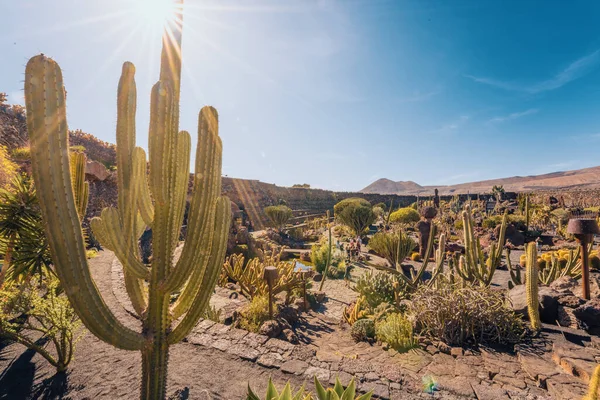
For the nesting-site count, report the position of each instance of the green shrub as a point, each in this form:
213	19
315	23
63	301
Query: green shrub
363	330
458	225
376	288
8	169
393	246
318	257
356	213
405	215
279	215
22	153
254	314
48	312
397	332
460	314
378	211
382	311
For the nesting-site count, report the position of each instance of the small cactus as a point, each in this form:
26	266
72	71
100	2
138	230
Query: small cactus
531	282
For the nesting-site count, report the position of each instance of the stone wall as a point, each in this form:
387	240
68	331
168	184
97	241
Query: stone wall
253	196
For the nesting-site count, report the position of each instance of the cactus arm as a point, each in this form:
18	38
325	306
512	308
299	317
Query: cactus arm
211	274
100	233
181	181
187	295
80	186
207	186
515	273
142	194
126	109
113	232
47	127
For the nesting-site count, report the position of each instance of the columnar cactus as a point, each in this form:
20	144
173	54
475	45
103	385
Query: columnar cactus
593	386
157	201
531	282
473	266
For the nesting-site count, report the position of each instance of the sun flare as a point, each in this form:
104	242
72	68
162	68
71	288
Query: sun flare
156	13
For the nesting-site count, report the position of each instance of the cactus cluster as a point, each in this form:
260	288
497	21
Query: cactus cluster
554	265
250	275
157	201
474	266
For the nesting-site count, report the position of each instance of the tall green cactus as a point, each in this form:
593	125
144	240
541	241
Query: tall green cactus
527	214
531	283
473	266
157	201
593	386
329	249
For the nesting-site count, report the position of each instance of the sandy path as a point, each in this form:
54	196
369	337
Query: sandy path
100	371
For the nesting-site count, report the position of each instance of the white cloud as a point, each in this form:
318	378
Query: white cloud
514	115
573	71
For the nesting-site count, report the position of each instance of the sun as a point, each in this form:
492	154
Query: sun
157	13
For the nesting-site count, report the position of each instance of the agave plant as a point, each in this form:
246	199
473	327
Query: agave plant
336	393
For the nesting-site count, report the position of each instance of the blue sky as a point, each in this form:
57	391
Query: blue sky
340	93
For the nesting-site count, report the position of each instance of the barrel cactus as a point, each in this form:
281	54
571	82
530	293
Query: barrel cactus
156	200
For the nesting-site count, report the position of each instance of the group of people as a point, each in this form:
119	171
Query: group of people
353	248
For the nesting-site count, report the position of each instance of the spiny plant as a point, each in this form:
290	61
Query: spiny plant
329	247
393	246
531	281
397	331
279	215
250	276
26	311
594	384
157	200
473	266
336	393
273	394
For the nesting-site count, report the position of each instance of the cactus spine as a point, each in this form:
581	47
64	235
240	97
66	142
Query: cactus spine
157	201
531	282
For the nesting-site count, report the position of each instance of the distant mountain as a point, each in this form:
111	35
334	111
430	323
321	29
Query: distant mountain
387	186
587	178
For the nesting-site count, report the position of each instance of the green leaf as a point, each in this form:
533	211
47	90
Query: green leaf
366	396
321	392
251	395
271	391
287	393
333	395
299	395
338	388
350	391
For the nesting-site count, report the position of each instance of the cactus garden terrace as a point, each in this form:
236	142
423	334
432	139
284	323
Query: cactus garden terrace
131	273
